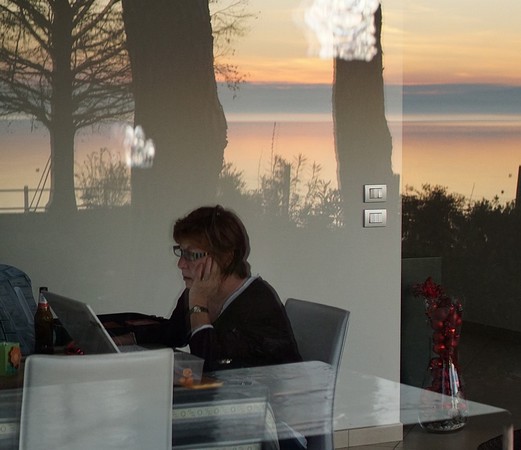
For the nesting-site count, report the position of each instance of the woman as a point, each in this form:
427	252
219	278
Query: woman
228	317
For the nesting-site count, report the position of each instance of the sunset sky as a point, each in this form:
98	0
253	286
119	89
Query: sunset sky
446	41
469	42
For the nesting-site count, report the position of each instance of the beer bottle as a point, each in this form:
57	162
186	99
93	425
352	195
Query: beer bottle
43	326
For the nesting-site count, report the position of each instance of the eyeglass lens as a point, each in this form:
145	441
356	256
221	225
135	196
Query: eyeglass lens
187	254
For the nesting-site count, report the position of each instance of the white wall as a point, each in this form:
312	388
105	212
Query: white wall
96	257
99	257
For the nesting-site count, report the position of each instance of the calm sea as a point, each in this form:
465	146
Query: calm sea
478	157
471	155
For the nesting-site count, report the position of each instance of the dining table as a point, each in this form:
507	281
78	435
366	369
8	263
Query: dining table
244	409
253	408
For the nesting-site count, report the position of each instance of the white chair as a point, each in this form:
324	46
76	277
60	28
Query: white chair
100	402
320	331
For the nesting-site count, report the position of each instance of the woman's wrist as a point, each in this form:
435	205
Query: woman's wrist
199	316
196	309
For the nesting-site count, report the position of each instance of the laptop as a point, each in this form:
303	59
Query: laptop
82	324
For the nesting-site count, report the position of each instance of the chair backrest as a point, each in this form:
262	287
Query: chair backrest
320	330
110	401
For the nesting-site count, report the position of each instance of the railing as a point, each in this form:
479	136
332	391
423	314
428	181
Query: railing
27	207
34	205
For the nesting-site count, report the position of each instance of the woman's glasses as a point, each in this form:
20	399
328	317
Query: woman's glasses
187	254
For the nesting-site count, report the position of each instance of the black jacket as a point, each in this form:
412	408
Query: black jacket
253	330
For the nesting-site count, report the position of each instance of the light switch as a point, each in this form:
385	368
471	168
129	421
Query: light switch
375	218
375	193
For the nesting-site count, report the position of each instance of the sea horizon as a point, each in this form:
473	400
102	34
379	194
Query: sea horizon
472	152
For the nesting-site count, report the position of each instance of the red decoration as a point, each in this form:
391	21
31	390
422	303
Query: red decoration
444	315
446	412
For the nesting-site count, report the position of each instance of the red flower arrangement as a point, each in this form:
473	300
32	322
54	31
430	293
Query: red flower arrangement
444	316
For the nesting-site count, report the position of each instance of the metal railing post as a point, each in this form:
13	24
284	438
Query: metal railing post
26	199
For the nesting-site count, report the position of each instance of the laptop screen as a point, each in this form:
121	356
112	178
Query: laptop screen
82	324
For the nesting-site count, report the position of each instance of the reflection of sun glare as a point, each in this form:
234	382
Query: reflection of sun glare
139	151
344	28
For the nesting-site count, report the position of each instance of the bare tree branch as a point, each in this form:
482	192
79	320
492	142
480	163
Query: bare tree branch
229	21
63	63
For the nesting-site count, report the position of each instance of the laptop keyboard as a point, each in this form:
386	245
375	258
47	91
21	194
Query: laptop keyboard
131	348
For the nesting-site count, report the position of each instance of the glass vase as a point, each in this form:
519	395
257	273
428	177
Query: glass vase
443	406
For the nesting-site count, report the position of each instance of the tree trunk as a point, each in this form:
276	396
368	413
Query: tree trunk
359	117
171	52
62	130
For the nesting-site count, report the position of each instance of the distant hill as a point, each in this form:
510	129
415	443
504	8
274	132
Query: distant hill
461	99
419	99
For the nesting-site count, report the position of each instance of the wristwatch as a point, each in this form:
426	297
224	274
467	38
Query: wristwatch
198	309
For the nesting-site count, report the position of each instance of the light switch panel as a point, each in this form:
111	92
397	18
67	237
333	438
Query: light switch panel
374	193
375	218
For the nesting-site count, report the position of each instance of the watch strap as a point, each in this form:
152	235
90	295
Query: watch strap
198	309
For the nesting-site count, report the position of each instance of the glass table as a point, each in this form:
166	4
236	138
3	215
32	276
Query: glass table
256	404
252	409
364	401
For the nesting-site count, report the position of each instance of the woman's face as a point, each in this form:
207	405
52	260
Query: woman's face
192	261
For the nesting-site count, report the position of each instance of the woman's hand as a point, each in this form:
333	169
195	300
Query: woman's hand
205	284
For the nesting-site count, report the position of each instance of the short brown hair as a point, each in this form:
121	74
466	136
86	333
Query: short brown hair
221	233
